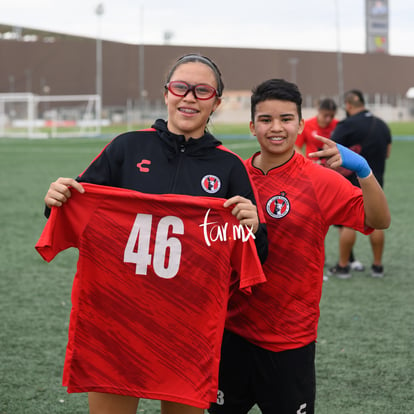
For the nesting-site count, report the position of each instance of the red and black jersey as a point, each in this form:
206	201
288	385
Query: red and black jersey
150	294
300	200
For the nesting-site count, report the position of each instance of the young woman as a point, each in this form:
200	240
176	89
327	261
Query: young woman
177	156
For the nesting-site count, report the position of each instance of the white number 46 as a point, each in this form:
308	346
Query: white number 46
137	249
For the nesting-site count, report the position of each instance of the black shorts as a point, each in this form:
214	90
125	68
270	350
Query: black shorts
278	382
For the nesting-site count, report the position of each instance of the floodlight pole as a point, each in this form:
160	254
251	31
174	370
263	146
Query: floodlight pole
293	62
340	70
99	11
141	67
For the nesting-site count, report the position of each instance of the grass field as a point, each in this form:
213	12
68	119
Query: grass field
365	357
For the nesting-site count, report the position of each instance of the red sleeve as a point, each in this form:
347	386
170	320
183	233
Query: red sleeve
343	201
65	225
246	264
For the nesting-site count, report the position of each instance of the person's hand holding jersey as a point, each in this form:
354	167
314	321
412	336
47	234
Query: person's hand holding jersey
245	211
60	191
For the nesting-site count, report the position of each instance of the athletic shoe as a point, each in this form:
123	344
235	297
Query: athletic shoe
340	272
325	278
377	271
357	265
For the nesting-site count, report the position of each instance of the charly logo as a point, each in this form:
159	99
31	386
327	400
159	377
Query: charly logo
278	206
210	183
143	166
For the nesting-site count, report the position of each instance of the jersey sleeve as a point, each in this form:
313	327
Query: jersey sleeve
246	265
342	202
65	225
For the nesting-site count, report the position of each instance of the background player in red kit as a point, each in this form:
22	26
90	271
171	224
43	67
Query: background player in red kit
322	124
175	156
268	350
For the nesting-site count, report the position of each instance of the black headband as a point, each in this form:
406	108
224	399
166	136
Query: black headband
194	57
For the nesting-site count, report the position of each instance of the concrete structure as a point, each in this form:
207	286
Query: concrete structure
133	75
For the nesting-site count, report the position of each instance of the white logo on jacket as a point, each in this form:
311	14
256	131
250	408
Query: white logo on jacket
210	183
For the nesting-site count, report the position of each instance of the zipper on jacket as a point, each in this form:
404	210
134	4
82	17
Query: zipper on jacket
181	155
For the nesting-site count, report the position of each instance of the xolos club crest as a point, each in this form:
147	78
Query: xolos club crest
278	206
210	183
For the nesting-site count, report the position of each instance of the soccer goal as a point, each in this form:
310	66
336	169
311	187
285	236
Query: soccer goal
28	115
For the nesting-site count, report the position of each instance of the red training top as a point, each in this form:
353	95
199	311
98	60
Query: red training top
300	200
150	293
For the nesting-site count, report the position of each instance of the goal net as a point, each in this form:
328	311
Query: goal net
49	116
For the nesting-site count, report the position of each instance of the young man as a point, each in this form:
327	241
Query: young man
371	137
268	352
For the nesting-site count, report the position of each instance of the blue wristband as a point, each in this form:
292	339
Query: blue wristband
354	162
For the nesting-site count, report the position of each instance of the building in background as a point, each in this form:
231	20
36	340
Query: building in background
49	64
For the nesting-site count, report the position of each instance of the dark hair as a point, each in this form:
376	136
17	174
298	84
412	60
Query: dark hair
276	89
328	104
195	57
355	97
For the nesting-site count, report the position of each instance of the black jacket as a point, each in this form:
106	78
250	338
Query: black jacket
155	161
372	134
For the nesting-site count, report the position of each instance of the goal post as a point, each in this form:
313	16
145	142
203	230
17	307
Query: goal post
28	115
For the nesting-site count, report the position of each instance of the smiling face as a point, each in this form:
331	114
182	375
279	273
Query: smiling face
276	126
325	117
188	115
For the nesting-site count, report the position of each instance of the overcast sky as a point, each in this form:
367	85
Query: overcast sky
270	24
